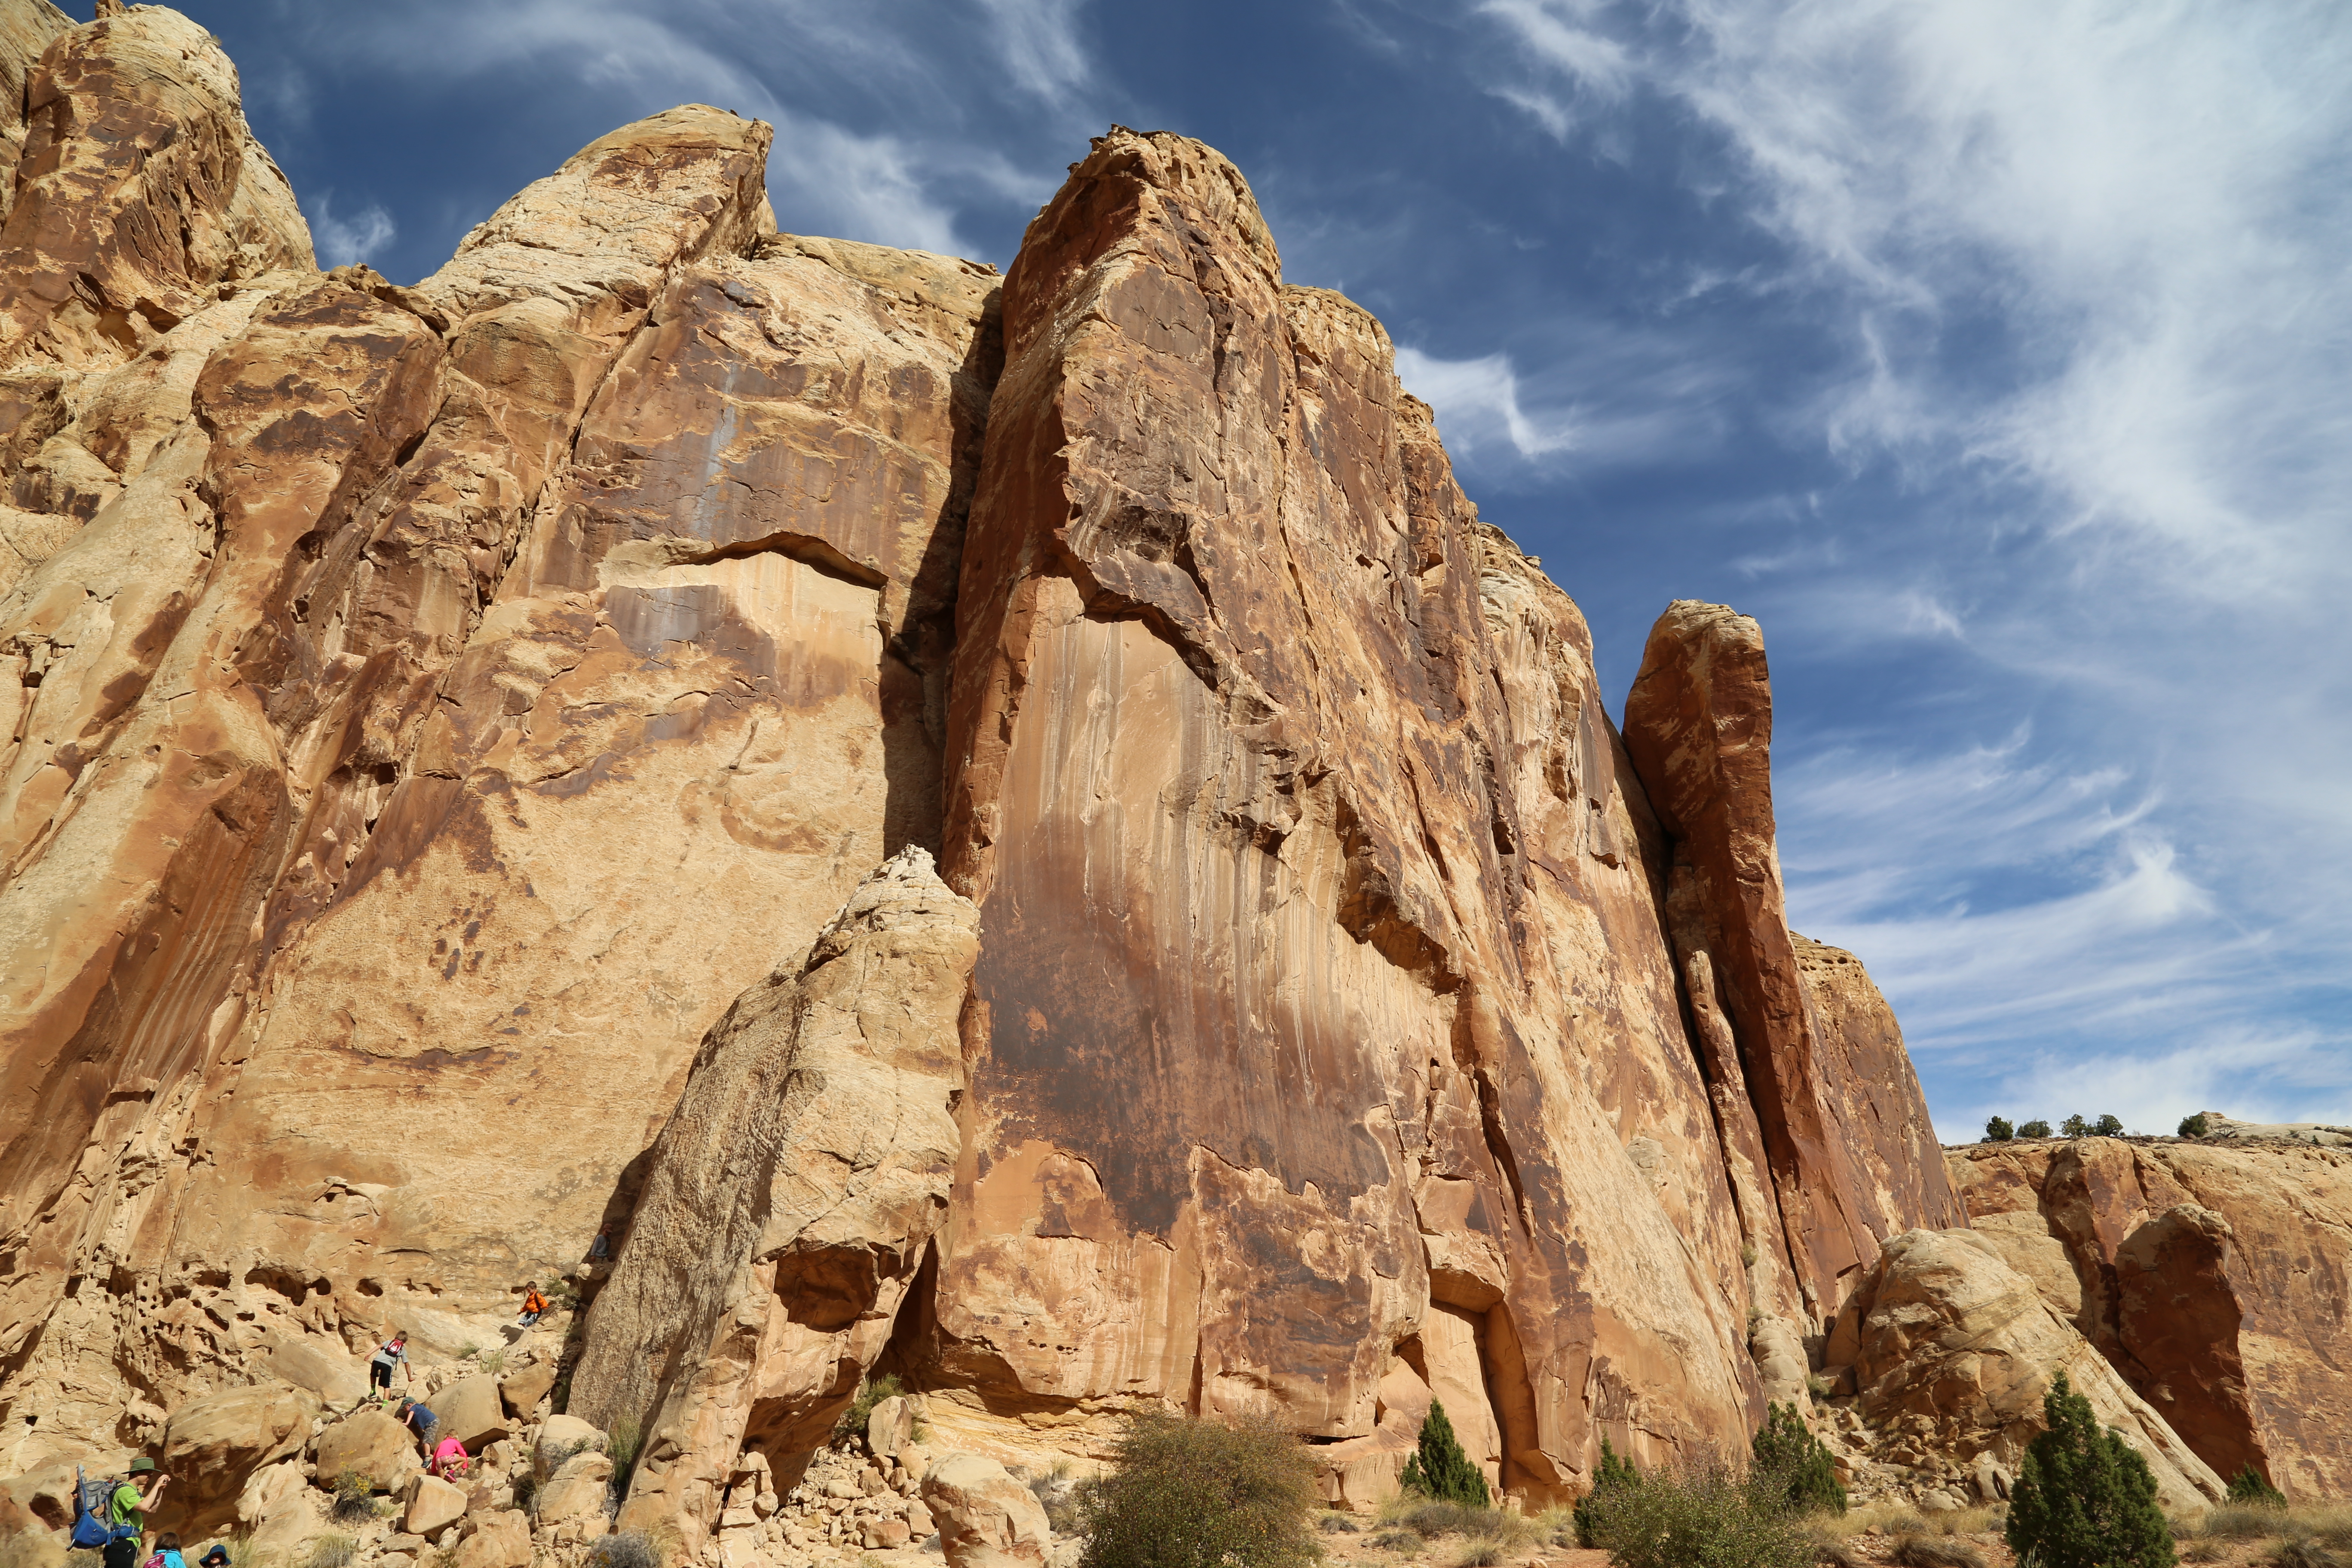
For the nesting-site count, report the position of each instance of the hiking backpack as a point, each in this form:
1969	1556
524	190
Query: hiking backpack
93	1500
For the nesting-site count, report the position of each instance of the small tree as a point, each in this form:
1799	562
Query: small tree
2037	1128
2195	1126
1440	1469
1999	1130
2083	1498
2074	1127
1200	1494
1614	1475
1790	1468
2250	1488
2109	1127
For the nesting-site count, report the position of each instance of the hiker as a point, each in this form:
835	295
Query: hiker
601	1250
167	1553
393	1352
449	1460
215	1558
534	1304
126	1510
419	1420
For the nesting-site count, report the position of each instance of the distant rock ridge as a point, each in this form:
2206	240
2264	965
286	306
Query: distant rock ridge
477	757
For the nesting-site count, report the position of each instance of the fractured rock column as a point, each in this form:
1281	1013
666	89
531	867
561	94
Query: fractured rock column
1837	1113
788	1199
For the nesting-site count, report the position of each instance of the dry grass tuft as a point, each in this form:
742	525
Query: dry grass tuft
1935	1551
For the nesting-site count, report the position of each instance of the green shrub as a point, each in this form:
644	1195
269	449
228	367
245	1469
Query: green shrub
1614	1472
622	1445
2083	1499
2037	1128
2109	1127
851	1427
1200	1494
1703	1516
2074	1127
1999	1130
2196	1126
1790	1468
2251	1489
1440	1469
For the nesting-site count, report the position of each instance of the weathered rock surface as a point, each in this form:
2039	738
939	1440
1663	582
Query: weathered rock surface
370	1444
433	1506
1847	1153
1956	1349
2211	1274
451	729
214	1443
499	1540
1265	752
788	1199
985	1518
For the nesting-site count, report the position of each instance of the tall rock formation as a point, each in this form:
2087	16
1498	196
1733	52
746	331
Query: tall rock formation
2211	1275
435	710
1823	1103
790	1198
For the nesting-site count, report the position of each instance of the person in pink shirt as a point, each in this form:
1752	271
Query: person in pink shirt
449	1460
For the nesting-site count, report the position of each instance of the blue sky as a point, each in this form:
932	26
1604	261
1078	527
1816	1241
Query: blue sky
1992	353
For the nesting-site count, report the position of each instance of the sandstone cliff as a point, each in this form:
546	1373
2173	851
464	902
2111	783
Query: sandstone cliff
2211	1275
443	716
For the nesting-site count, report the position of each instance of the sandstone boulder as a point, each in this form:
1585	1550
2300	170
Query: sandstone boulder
433	1506
577	1491
371	1444
560	1437
985	1518
324	1368
790	1197
1780	1362
496	1541
471	1411
268	1493
521	1391
1959	1348
890	1426
214	1444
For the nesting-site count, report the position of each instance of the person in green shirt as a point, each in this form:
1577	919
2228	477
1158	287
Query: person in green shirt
129	1505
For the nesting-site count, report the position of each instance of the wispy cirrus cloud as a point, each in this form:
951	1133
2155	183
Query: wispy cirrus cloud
2082	263
341	241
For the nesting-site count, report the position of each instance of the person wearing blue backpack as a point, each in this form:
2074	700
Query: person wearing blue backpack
113	1516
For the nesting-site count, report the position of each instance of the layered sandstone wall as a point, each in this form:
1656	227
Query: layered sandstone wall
2213	1275
438	712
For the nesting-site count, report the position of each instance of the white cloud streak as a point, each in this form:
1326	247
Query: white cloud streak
341	241
2125	224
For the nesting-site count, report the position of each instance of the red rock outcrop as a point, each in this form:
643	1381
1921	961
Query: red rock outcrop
2211	1276
432	710
1820	1085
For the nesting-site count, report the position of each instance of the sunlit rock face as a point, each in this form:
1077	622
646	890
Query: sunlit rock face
2211	1274
450	723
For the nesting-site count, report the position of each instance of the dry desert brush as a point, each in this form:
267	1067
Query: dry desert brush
1184	1493
1703	1515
